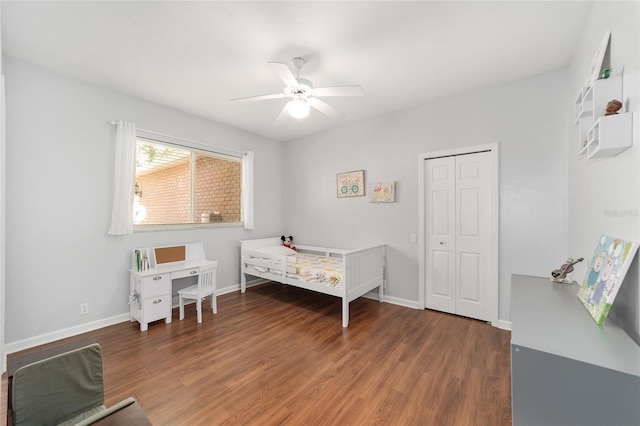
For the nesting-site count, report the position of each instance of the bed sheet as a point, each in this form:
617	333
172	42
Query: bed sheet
308	267
319	269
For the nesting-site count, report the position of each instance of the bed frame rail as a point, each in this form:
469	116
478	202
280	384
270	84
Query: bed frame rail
363	270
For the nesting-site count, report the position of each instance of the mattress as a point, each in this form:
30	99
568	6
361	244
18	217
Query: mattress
307	267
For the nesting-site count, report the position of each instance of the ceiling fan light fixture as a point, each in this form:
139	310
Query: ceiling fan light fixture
298	108
303	96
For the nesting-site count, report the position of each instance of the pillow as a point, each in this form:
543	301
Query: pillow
277	250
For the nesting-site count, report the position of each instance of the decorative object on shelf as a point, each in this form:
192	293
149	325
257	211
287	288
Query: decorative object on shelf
606	74
382	192
601	134
613	107
142	263
606	272
596	64
561	275
598	137
350	184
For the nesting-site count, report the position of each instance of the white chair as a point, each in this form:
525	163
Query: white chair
206	287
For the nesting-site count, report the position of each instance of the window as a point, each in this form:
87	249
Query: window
180	185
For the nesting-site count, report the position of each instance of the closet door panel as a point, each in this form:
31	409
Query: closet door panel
458	225
440	254
443	263
473	224
469	277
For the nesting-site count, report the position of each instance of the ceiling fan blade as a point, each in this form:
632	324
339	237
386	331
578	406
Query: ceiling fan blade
339	91
282	118
325	108
258	98
284	72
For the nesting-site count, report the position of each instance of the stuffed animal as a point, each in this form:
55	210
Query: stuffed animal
288	242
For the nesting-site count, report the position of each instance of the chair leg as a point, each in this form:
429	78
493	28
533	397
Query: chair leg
181	308
214	303
199	309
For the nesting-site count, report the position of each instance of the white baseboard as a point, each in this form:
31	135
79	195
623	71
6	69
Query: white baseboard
504	325
236	287
398	301
63	334
229	289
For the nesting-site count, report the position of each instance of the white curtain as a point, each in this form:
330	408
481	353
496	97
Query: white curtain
124	179
247	189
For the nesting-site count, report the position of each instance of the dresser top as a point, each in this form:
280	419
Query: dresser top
549	317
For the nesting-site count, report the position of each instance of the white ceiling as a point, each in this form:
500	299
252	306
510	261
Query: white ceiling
195	56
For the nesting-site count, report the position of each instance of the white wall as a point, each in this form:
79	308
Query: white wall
526	117
59	192
59	179
2	217
607	184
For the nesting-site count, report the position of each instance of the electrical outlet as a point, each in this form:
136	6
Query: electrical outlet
84	308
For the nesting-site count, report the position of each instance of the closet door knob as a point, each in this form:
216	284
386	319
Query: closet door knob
441	242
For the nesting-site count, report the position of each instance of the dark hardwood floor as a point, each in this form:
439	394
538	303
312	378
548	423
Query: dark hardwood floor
279	355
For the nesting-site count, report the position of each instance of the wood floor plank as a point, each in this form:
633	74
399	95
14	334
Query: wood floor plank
279	355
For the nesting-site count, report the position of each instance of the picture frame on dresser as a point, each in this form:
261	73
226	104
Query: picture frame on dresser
606	272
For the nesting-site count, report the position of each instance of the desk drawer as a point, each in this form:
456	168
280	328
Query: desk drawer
156	308
185	273
156	285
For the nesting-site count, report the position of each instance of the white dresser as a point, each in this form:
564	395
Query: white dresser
566	369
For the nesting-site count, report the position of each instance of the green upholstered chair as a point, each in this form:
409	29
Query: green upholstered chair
66	389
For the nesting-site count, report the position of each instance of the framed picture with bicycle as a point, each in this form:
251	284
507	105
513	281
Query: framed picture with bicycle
350	184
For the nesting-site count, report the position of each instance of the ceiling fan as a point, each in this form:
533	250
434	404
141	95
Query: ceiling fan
302	93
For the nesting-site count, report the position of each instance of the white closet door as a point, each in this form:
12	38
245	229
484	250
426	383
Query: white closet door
440	210
458	225
473	239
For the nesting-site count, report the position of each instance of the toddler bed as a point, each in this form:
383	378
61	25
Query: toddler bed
347	274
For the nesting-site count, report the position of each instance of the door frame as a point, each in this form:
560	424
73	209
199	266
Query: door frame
494	302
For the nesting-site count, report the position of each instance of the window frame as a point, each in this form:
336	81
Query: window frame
192	146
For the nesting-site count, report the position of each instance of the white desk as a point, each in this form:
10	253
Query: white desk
150	289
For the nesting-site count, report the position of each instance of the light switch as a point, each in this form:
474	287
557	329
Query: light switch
413	238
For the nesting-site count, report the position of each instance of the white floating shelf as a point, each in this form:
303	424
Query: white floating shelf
610	135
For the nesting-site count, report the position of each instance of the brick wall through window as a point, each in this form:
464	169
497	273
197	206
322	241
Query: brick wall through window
166	192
